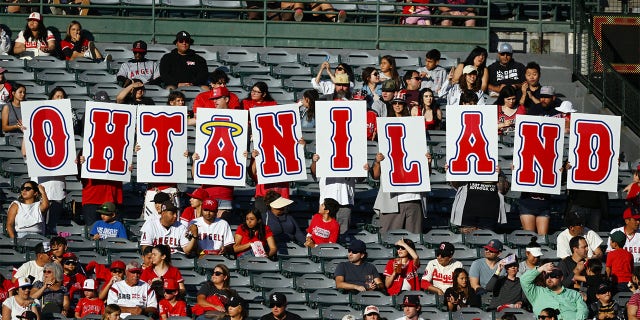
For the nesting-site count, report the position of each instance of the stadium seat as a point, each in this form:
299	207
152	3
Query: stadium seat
11	62
277	56
54	75
392	236
377	11
238	280
520	238
12	257
518	312
479	238
327	297
471	314
377	251
155	91
249	81
289	70
257	310
362	299
238	55
387	312
295	251
182	8
80	65
221	5
249	294
118	51
360	58
269	281
327	251
182	262
78	242
293	296
257	265
70	88
338	311
315	58
139	7
426	299
297	83
84	257
206	53
312	282
296	266
367	237
91	77
9	152
112	245
45	63
464	252
155	52
19	75
107	11
305	312
435	236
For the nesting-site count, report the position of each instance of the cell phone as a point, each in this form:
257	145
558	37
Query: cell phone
327	58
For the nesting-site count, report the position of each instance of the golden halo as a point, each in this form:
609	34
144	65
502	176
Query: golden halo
206	127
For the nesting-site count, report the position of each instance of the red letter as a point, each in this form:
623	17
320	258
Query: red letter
472	143
108	141
278	144
537	154
341	139
594	152
49	138
220	147
162	127
401	175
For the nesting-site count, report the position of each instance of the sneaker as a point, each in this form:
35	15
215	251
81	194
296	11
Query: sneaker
92	50
342	16
298	15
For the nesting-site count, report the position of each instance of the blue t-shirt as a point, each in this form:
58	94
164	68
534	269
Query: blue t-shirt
113	229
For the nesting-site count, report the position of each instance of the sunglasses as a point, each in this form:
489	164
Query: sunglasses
70	262
107	214
541	317
340	68
552	276
375	74
117	271
47	271
26	288
183	41
355	252
218	273
400	248
279	305
506	54
170	291
417	78
26	188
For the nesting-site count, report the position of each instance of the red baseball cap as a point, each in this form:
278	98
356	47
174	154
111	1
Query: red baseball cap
118	264
630	214
219	92
210	205
170	284
199	194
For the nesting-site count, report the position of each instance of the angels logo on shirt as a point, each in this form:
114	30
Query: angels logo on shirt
191	63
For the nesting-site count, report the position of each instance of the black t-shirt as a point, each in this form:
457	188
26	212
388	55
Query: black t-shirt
289	316
482	201
512	73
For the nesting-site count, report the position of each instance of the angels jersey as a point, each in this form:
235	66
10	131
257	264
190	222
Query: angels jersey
140	295
154	233
214	236
632	245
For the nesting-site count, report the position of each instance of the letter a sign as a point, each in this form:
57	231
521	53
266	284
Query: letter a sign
472	143
594	149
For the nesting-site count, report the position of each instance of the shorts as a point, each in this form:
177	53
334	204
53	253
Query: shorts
545	212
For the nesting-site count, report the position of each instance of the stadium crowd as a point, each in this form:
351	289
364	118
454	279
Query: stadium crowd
578	283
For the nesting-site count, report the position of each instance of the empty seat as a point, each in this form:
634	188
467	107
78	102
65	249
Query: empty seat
297	83
520	238
294	266
139	7
257	265
220	8
277	56
392	236
327	297
328	251
11	62
206	53
249	68
114	11
290	69
360	58
268	281
238	55
19	75
378	251
54	75
110	245
312	282
80	65
77	242
479	238
46	62
376	298
435	236
118	52
292	295
96	76
305	312
249	81
337	312
70	88
315	58
182	8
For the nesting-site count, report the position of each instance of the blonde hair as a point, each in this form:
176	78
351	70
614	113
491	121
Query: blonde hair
110	309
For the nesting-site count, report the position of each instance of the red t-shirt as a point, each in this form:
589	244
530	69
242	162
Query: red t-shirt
621	263
409	273
371	124
188	214
89	306
503	117
96	191
67	47
149	274
280	187
202	100
247	238
4	290
323	231
633	191
74	283
248	104
177	310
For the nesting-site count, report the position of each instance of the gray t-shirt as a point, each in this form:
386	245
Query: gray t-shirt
356	274
480	269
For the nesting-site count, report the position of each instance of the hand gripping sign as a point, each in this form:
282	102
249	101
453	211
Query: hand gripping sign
537	154
403	143
594	149
162	137
221	139
341	140
48	138
109	131
472	143
275	132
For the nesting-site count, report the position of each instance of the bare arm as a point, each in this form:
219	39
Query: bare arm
237	247
632	310
19	48
314	159
202	301
273	249
122	95
475	283
485	80
5	120
44	201
597	253
341	284
11	220
375	170
6	312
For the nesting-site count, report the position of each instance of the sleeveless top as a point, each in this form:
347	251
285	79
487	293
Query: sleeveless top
29	218
15	114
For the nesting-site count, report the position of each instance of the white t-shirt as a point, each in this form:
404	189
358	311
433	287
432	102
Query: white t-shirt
439	276
140	295
632	245
54	186
213	236
339	189
16	308
35	46
30	268
154	233
593	241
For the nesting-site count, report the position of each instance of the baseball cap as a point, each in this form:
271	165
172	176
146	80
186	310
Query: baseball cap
183	35
161	197
35	16
277	299
168	206
630	214
170	284
139	46
555	273
210	205
389	86
371	309
469	69
573	219
566	107
547	91
107	207
445	249
411	301
2	70
494	245
101	96
399	97
28	315
357	245
24	282
199	194
342	78
118	264
44	247
69	256
535	251
505	48
133	266
219	92
603	288
90	284
618	237
235	301
280	203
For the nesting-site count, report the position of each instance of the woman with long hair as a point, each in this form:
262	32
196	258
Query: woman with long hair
389	71
134	94
308	108
215	293
461	294
550	314
25	214
75	45
371	84
466	83
15	305
254	230
259	96
403	270
57	93
327	86
477	58
508	109
50	291
11	112
429	109
161	267
398	106
34	40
